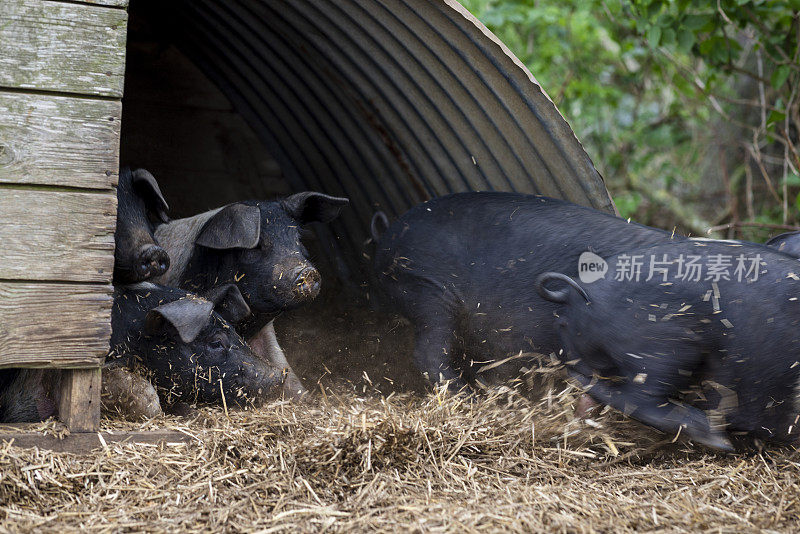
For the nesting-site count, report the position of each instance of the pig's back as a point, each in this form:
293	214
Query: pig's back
752	304
489	239
482	252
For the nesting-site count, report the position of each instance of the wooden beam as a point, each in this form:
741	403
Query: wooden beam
88	441
79	400
56	235
57	140
64	47
54	325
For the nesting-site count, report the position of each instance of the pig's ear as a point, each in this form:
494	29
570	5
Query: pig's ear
147	188
228	302
314	207
188	316
234	226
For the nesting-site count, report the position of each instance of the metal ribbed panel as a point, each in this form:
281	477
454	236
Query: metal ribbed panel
388	102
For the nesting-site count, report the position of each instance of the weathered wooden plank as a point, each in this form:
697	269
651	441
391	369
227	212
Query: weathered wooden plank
65	47
51	325
109	3
54	325
79	402
58	140
55	235
89	441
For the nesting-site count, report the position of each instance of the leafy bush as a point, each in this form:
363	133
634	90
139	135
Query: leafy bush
689	108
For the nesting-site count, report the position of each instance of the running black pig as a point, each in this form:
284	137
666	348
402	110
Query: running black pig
461	269
190	352
256	246
696	337
137	255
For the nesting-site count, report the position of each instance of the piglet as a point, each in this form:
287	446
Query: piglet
29	395
459	268
697	337
190	352
137	255
255	245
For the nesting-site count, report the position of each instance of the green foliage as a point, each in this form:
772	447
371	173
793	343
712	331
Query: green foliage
628	203
677	101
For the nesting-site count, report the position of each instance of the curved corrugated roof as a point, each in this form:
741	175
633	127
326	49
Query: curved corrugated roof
387	102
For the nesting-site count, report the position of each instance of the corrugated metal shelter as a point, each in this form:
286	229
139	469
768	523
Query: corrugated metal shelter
388	102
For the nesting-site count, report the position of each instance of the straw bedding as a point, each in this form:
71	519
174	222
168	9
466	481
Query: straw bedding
346	461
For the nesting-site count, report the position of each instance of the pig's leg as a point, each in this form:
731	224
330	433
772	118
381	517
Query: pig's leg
586	405
432	309
129	394
265	345
434	341
656	368
656	411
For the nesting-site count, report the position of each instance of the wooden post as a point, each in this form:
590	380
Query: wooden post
79	403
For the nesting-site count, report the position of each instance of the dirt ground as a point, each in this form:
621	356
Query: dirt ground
334	341
373	450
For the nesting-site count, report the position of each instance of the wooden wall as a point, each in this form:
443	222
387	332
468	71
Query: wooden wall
62	67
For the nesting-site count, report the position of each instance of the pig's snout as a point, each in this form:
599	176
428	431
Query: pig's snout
261	382
151	261
307	282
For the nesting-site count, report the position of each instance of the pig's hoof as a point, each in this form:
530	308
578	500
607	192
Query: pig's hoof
295	391
585	407
715	441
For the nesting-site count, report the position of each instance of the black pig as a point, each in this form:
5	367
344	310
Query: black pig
255	245
137	256
28	395
460	268
702	340
190	351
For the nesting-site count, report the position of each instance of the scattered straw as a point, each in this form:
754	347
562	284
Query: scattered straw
348	463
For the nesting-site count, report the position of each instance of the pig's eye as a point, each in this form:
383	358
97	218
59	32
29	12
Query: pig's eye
217	343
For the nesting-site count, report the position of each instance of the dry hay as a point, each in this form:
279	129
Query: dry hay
345	462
